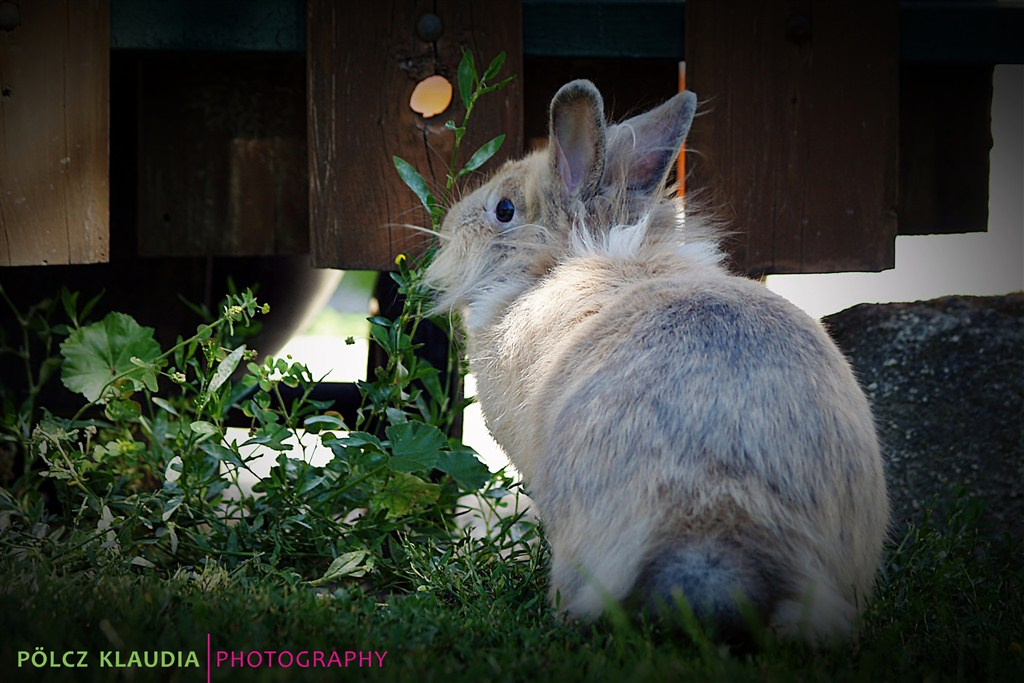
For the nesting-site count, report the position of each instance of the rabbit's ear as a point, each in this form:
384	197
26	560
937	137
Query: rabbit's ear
641	150
577	146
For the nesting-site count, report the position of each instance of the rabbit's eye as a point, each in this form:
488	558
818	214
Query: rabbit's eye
505	210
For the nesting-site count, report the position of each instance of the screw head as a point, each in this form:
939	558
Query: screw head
798	29
429	27
10	16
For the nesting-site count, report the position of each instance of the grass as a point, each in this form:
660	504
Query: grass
950	607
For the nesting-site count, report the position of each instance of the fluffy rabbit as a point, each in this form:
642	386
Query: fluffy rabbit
682	431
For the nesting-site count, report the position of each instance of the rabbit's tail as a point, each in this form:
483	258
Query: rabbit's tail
730	587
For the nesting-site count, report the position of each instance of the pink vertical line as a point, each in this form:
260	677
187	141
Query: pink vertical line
207	658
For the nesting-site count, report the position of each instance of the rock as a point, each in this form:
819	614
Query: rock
946	381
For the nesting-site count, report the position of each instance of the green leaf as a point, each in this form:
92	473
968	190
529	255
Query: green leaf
170	506
272	436
179	352
482	155
96	354
318	423
173	470
310	484
353	564
382	335
465	468
203	428
494	67
403	493
165	405
122	410
467	78
70	303
362	439
415	445
497	86
222	453
415	182
225	368
431	379
89	305
139	561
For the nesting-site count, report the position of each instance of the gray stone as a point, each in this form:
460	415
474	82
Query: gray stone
946	381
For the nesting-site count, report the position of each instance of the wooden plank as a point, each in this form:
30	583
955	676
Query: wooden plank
222	155
798	147
54	120
945	141
364	59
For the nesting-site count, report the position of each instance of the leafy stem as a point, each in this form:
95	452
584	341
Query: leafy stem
243	310
472	86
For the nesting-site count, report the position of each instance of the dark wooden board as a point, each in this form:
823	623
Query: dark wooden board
54	118
797	145
222	155
945	141
364	60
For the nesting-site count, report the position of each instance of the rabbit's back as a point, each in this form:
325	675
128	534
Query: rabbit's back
663	403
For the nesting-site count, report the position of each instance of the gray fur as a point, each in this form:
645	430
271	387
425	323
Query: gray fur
681	430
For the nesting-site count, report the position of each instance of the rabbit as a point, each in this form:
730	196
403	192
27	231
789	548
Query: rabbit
683	432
